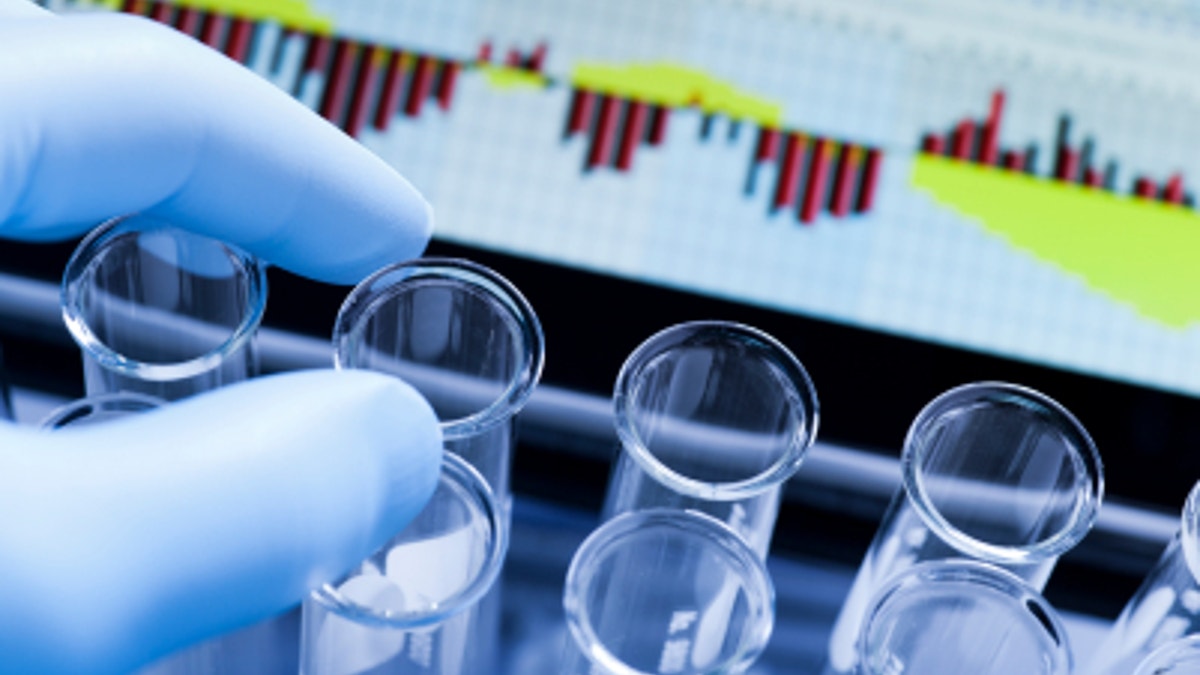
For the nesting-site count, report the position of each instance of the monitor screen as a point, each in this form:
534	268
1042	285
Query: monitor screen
1010	178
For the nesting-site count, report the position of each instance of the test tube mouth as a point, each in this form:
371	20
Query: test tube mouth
971	598
649	367
1061	502
391	283
100	408
89	256
624	532
471	491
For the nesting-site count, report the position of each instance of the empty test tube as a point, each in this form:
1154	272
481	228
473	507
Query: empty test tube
161	311
413	607
1167	605
992	472
961	616
665	591
712	416
460	334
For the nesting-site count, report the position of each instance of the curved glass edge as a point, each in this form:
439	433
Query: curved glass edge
1189	532
1087	456
93	246
985	576
611	535
1184	651
390	280
467	481
121	403
802	394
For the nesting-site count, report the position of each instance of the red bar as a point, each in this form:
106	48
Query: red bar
1144	188
768	144
788	183
317	54
485	52
445	88
162	12
334	101
1068	164
963	135
238	44
818	172
631	135
213	30
1092	177
389	95
357	116
658	125
1014	161
1173	192
538	58
934	145
606	128
514	59
991	130
843	182
132	7
418	89
582	103
869	181
187	20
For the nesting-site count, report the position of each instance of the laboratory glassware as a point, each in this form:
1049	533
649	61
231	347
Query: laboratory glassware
1167	604
460	334
990	471
665	590
161	311
712	416
470	343
413	606
961	616
100	409
1177	657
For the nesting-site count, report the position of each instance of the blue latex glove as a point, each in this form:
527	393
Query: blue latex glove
121	543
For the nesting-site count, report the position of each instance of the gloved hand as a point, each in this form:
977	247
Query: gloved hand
121	543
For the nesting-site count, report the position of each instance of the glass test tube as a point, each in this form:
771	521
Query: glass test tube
412	607
990	471
467	339
1165	607
961	616
665	591
461	335
712	416
1177	657
162	311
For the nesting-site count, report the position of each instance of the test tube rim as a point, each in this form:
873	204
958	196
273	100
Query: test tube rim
118	401
1165	651
365	297
1088	457
985	575
468	481
804	396
84	259
610	534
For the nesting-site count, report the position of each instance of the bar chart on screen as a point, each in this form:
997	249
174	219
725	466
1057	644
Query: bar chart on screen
1012	179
